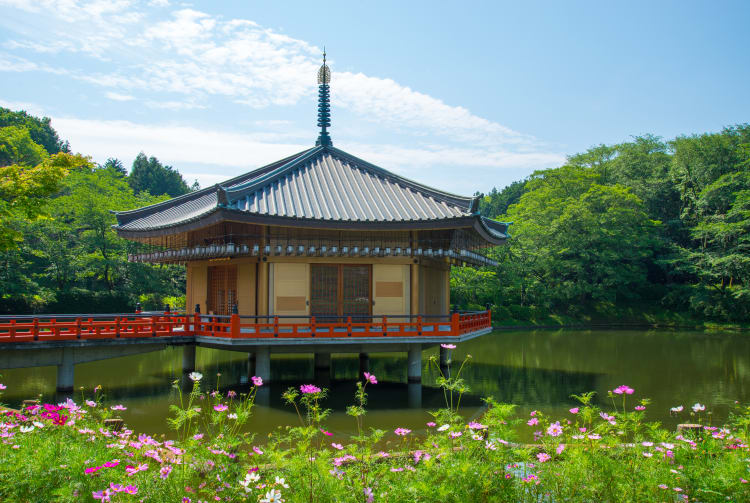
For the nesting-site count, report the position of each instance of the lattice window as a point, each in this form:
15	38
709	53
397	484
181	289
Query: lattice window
338	290
222	289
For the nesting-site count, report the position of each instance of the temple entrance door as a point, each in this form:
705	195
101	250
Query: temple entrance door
222	289
338	290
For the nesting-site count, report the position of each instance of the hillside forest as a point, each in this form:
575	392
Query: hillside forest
648	226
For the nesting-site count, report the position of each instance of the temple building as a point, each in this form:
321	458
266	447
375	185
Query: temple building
321	233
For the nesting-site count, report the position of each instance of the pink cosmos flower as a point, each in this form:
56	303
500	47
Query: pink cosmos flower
257	381
257	451
2	386
455	434
640	407
220	408
370	378
448	346
431	424
555	430
560	448
326	433
402	431
532	422
648	454
165	471
542	457
574	410
131	490
198	436
132	470
90	403
368	494
679	408
231	394
476	426
623	389
119	407
309	388
337	446
663	486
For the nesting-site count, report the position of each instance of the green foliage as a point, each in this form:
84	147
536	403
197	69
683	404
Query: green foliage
149	175
40	130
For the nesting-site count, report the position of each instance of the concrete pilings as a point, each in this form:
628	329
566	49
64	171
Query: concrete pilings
364	364
263	363
414	364
66	371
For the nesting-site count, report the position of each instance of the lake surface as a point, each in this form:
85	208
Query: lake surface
533	369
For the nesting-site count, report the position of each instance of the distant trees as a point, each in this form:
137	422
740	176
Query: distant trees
642	222
40	130
149	175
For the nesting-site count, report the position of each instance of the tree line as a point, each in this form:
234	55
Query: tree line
648	223
58	252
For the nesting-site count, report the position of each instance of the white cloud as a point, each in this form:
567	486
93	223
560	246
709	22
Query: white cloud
118	97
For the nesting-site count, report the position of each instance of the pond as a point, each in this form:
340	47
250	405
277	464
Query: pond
537	370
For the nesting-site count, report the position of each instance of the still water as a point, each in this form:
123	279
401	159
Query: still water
535	370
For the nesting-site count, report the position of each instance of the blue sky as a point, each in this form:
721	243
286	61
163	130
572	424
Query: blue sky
461	96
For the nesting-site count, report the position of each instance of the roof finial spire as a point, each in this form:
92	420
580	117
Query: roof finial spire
324	103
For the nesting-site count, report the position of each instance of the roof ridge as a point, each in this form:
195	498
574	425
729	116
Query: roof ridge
211	189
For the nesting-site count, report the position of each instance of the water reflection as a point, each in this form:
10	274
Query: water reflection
536	370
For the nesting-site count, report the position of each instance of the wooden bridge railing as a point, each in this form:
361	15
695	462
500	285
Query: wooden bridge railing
30	328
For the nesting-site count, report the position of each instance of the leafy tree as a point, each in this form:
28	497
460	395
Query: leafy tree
149	175
115	165
40	130
496	202
17	147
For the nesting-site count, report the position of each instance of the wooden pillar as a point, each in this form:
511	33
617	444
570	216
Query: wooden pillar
414	283
447	306
262	288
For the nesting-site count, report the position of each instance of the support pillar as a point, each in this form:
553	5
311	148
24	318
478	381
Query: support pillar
263	363
65	371
414	365
415	395
445	361
322	370
188	358
364	364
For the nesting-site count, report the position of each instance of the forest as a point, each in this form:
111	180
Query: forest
646	226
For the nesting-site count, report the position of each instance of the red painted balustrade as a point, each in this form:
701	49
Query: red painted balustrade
30	328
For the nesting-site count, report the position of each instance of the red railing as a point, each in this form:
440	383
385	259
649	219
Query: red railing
70	327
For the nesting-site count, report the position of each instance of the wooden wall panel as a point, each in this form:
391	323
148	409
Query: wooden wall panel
290	283
390	289
246	284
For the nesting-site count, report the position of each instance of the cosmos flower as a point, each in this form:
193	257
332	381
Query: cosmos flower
195	376
555	430
309	388
257	381
574	410
448	346
370	378
220	407
402	431
623	389
698	407
542	457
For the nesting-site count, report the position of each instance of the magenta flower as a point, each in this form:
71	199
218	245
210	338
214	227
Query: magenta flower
623	389
542	457
473	425
220	408
431	424
560	448
448	346
131	490
2	386
455	434
574	410
326	433
257	451
119	407
337	446
309	388
231	394
533	421
257	381
640	407
198	436
370	378
402	431
165	471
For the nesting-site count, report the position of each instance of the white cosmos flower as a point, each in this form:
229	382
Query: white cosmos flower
272	496
282	483
444	427
38	424
26	429
698	407
195	376
232	416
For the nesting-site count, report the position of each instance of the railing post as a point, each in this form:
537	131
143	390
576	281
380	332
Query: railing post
349	326
234	325
35	329
54	329
154	324
489	318
312	326
385	326
275	326
197	319
78	328
12	329
455	329
419	325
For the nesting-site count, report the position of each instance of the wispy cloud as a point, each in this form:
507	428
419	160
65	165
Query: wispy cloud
179	59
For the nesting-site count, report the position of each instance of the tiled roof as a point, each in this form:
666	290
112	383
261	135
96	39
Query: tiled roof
323	184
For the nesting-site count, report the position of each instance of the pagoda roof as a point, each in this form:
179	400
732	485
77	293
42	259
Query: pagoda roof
322	187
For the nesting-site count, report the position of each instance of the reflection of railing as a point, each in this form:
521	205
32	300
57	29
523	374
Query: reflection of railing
29	328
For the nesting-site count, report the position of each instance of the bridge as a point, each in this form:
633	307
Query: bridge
65	340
